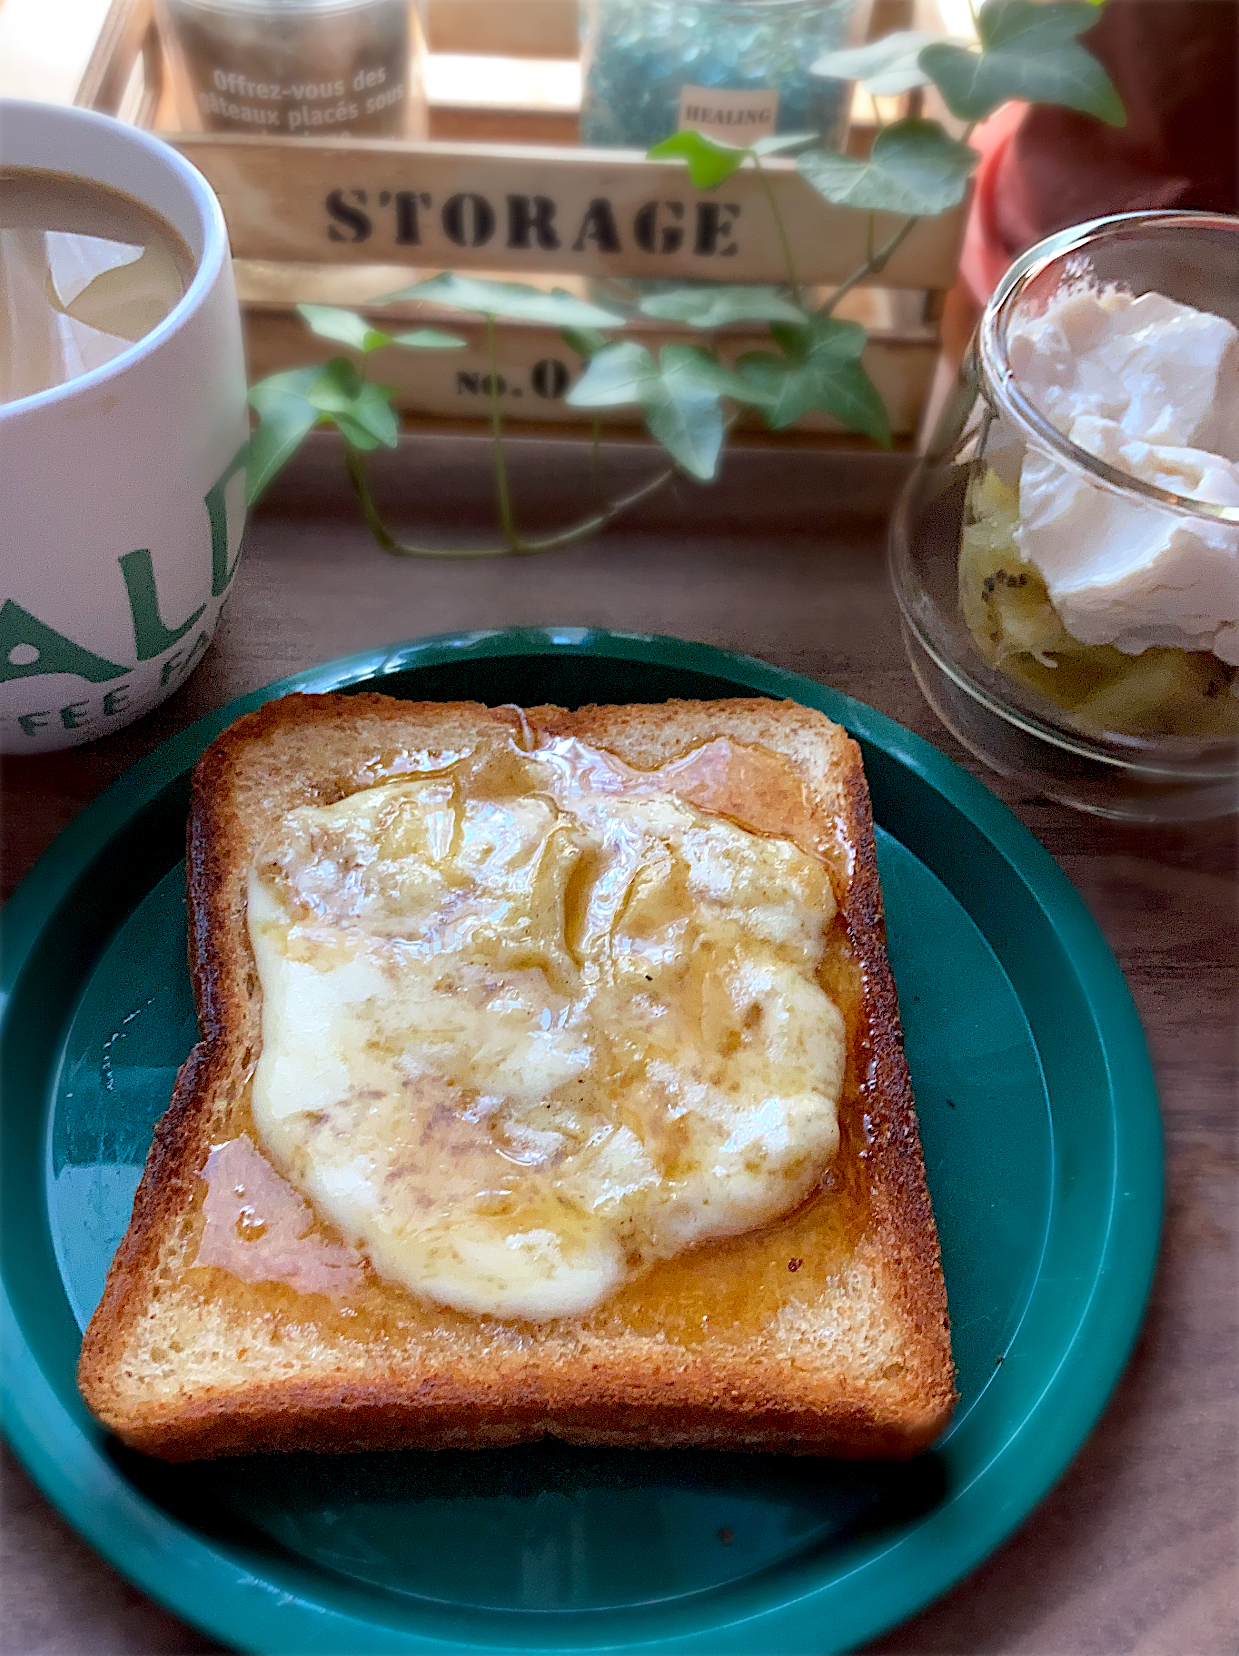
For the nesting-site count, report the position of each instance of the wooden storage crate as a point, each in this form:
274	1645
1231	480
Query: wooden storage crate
344	221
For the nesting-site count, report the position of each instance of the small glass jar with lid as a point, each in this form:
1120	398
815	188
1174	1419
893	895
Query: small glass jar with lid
734	69
297	68
1066	556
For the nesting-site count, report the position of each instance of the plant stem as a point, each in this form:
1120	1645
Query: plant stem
786	245
595	457
589	526
496	425
872	265
522	548
515	543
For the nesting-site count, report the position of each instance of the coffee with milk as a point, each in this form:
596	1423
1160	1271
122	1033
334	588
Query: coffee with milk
85	272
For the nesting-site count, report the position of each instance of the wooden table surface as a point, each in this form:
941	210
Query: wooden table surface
1137	1549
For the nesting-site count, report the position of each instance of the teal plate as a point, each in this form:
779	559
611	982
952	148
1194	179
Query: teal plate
1042	1146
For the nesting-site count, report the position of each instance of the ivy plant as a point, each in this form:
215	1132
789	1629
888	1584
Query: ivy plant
688	397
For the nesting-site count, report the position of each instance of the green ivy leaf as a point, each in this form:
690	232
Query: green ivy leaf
1029	51
371	422
283	390
841	388
272	446
774	142
427	339
824	336
614	376
516	301
709	162
343	327
914	168
285	418
687	420
786	389
675	394
697	367
586	342
362	412
820	368
886	66
335	386
347	328
717	307
846	391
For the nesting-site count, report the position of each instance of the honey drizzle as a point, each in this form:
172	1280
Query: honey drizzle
723	1288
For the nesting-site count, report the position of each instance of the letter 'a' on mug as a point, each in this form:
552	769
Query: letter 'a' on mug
123	422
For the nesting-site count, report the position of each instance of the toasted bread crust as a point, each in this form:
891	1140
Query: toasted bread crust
577	1386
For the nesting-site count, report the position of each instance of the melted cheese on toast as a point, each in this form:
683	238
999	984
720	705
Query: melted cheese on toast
530	1025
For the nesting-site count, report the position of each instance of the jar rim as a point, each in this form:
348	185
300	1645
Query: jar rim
1023	413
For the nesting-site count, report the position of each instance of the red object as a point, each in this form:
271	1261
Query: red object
1176	66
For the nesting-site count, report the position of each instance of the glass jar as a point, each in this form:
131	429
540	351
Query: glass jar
297	68
1066	555
735	69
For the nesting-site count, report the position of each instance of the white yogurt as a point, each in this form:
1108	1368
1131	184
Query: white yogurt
1152	387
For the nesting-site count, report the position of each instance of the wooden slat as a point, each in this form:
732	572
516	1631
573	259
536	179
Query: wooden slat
536	369
343	200
452	123
115	54
264	285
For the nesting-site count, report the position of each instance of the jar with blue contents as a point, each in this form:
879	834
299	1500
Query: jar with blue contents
737	70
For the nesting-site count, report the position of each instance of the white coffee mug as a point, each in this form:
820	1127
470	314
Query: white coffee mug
122	492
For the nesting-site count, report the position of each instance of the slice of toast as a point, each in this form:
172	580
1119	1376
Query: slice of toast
822	1330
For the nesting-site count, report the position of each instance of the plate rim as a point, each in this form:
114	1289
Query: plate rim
199	1579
